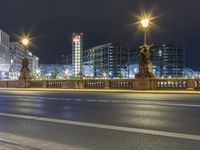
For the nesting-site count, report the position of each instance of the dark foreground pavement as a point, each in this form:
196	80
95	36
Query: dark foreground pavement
64	120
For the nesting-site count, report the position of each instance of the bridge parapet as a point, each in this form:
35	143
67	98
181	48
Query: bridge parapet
129	84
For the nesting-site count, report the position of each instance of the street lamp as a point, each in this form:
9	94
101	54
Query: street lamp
145	66
145	24
25	41
25	72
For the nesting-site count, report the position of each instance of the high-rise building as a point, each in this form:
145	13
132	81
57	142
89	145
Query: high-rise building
77	53
4	55
170	60
108	60
167	60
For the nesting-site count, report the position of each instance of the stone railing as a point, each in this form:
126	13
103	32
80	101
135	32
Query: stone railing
169	84
131	84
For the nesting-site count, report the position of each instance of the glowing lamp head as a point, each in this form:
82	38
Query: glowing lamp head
25	42
145	22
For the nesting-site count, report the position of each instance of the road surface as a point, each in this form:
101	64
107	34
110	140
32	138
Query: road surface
67	120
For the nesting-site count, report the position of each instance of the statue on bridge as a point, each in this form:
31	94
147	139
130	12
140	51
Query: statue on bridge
145	66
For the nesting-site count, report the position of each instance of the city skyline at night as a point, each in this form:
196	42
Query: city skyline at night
51	25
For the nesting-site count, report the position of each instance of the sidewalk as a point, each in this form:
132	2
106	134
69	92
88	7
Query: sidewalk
103	90
5	145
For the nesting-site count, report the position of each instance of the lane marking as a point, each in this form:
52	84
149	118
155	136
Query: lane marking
104	101
107	127
78	100
164	104
29	98
91	100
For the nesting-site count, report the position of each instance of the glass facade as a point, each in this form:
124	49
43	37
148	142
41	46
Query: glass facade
4	55
108	60
167	60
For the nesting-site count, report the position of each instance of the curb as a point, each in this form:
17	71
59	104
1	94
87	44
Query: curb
101	90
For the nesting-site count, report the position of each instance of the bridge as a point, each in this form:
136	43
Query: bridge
126	84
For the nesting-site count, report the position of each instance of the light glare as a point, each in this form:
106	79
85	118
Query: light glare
25	41
145	23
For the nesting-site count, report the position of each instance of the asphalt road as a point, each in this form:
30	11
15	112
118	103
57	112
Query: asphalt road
64	120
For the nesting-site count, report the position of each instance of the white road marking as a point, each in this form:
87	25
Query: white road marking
91	100
104	101
78	100
107	127
33	98
67	99
163	104
115	101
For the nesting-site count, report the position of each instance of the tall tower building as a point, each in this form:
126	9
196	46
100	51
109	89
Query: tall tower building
77	53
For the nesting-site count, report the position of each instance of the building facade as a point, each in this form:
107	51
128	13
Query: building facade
55	71
167	60
4	55
77	53
35	64
108	60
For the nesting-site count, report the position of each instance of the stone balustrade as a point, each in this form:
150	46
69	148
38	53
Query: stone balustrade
134	84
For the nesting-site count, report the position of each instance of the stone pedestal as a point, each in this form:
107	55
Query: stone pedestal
145	66
145	71
142	84
191	84
107	84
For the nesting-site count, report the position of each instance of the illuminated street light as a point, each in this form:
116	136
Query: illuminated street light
25	72
145	24
145	66
25	41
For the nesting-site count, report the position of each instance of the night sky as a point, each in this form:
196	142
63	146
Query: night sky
51	23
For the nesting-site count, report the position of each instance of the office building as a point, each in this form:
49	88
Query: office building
107	60
167	60
55	71
35	64
4	55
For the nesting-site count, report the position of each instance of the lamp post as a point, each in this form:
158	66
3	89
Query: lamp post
25	72
145	23
145	66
